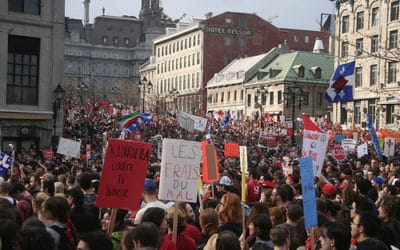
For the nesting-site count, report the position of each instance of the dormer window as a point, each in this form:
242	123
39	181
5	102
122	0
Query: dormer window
299	69
316	72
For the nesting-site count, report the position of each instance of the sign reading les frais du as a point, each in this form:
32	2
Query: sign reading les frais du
339	153
124	173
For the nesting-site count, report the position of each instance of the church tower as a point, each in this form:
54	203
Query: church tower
151	13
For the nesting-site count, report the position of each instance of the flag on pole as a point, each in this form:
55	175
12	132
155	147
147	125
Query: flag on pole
341	86
5	163
134	121
374	137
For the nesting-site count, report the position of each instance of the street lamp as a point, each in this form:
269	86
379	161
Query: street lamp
174	94
296	96
115	90
262	95
82	89
144	86
59	94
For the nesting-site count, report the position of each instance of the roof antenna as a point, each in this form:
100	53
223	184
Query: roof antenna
104	11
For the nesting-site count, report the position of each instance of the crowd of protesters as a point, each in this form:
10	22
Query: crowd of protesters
50	203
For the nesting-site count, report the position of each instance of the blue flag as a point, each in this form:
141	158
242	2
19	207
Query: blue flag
5	163
374	137
341	86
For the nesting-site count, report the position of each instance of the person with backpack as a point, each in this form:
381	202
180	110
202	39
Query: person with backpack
58	224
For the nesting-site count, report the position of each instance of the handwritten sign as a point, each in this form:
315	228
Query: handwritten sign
349	145
124	172
308	191
362	150
315	145
180	170
69	147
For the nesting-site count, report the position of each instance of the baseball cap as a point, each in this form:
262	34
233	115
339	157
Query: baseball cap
268	184
150	185
329	189
225	180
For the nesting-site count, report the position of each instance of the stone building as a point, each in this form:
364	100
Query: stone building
188	56
31	67
102	59
368	31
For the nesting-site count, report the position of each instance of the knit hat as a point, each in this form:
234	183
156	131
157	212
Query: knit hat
329	189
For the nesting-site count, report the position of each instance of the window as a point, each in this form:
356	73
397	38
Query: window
345	24
279	97
374	43
318	73
357	112
241	94
25	6
197	79
345	49
393	37
216	98
227	41
23	70
358	77
360	20
301	71
394	11
242	23
235	95
126	41
306	39
373	75
229	96
296	38
186	42
372	110
189	60
320	98
248	100
242	42
359	46
198	58
389	113
392	72
375	17
104	39
222	97
271	98
190	42
116	40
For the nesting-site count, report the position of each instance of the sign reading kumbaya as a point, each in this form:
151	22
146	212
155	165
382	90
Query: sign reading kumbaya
227	31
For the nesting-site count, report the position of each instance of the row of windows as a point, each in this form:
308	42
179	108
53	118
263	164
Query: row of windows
178	45
115	40
374	19
183	82
229	98
393	43
179	63
390	114
31	7
373	74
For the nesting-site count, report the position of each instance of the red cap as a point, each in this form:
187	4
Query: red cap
268	184
329	189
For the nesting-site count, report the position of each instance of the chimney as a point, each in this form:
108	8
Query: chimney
318	46
86	12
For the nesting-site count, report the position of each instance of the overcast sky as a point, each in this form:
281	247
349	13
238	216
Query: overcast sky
297	14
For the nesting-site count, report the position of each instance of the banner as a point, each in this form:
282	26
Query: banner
349	145
268	139
191	122
69	147
5	163
389	146
180	170
308	192
315	143
124	173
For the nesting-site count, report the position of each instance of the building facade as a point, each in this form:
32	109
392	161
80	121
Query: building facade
368	31
31	67
188	56
102	59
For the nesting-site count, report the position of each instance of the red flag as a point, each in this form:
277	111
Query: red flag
210	162
309	125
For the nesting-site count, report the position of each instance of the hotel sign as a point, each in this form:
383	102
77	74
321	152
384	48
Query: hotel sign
227	31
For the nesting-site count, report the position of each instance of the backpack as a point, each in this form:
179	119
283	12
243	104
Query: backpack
64	243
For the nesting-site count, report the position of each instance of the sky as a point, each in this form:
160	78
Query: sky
295	14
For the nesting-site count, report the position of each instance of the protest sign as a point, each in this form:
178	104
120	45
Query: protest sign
308	192
180	170
286	167
389	146
315	143
268	140
349	145
231	150
362	150
69	147
210	162
124	172
48	154
339	153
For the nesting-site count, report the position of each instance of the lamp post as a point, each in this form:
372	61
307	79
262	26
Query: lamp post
144	86
59	94
296	96
262	94
82	89
174	94
115	90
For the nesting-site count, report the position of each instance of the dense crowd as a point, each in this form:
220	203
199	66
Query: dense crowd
50	203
